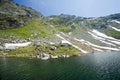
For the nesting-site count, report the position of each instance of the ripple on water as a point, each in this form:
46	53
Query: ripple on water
99	66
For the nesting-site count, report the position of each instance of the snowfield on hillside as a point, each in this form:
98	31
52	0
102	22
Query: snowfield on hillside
114	28
16	45
104	38
116	21
68	42
96	46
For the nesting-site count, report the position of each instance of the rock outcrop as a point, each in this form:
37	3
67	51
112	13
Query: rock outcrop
13	15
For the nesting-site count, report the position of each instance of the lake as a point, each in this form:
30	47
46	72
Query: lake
97	66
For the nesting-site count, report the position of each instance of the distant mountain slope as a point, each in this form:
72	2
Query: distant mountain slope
101	33
109	25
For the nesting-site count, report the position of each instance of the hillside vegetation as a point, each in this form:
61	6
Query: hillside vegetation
35	28
56	35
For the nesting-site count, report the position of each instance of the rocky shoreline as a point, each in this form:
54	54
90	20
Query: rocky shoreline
44	48
36	57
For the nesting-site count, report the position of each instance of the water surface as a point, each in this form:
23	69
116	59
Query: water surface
98	66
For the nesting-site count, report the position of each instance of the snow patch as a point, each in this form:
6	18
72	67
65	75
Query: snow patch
16	45
107	43
96	37
115	28
79	48
101	34
116	21
103	47
116	42
66	41
97	49
97	46
58	35
102	37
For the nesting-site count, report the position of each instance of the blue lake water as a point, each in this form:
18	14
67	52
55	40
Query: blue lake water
97	66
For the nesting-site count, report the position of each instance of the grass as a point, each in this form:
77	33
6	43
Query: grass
28	51
35	27
66	51
63	28
60	50
31	51
113	33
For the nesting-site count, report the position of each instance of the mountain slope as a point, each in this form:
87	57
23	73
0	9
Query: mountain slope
13	15
22	24
100	34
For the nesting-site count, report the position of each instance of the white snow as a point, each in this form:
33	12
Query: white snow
97	46
103	47
116	21
98	49
80	40
102	37
16	45
58	35
64	34
116	42
96	36
107	43
111	39
52	43
115	28
79	48
101	34
66	41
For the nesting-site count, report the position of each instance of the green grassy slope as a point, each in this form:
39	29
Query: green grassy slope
35	28
113	33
